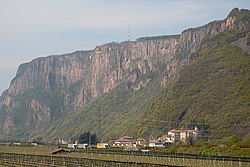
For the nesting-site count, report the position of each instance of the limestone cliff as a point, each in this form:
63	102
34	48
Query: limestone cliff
76	78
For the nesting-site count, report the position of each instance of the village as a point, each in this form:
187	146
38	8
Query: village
173	136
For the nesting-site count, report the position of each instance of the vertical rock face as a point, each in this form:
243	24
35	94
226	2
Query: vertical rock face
92	72
76	78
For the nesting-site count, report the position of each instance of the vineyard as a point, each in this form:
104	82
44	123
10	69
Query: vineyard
104	158
19	160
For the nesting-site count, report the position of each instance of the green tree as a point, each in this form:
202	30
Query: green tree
228	140
246	139
233	139
88	138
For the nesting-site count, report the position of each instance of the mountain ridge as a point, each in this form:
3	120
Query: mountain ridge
72	80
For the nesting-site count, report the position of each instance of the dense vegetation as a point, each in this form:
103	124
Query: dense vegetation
212	93
227	146
157	37
88	138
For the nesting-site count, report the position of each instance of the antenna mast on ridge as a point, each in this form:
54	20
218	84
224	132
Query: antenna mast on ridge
129	34
116	30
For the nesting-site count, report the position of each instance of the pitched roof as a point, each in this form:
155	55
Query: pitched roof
58	151
123	140
140	139
165	136
182	130
126	137
153	141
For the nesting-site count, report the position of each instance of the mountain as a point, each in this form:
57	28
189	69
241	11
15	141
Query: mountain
115	88
213	92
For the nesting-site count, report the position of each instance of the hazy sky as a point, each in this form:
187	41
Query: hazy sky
38	28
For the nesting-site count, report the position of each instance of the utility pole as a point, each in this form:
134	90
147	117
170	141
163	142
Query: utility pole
89	139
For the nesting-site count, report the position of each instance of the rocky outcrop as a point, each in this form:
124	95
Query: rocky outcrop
84	75
93	72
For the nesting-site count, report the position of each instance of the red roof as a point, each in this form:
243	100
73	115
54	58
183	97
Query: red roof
153	141
140	139
124	139
187	130
165	136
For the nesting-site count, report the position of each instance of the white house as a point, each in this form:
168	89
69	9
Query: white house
140	141
152	142
166	138
123	142
182	135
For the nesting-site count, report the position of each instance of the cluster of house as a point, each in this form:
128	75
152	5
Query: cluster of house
171	137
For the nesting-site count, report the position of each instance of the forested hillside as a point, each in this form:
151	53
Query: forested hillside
213	92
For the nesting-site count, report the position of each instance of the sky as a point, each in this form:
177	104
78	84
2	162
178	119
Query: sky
39	28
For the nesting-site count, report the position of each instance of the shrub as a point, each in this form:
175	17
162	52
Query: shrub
233	139
246	139
228	140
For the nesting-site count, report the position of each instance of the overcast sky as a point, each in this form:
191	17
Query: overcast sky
38	28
